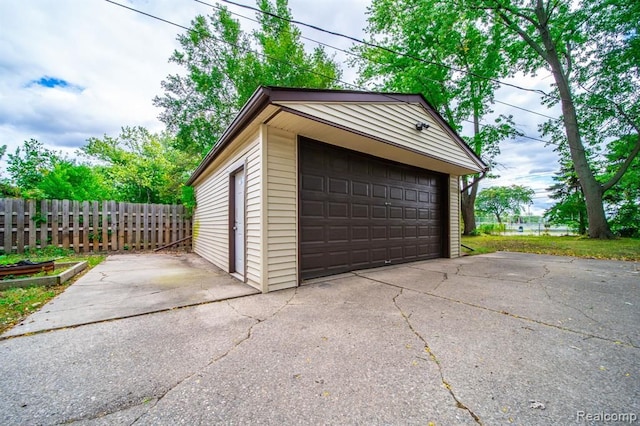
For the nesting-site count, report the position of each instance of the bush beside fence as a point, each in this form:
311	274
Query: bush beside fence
91	226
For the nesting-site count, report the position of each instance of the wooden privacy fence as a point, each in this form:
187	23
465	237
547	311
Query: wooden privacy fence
91	226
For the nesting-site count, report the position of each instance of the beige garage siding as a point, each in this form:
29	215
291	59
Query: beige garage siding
454	215
282	216
211	217
252	216
394	123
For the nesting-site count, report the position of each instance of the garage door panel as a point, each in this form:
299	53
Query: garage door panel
379	232
313	183
359	211
312	208
360	257
395	213
338	210
338	259
360	233
360	189
410	251
378	169
379	212
410	176
410	213
410	195
396	253
338	234
379	191
358	167
395	193
423	231
338	186
312	234
396	231
379	255
338	164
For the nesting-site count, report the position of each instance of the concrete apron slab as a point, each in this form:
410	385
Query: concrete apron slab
398	345
134	284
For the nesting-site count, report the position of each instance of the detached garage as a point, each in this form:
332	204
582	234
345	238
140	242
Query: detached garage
308	183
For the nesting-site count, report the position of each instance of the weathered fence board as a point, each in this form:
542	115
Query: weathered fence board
90	226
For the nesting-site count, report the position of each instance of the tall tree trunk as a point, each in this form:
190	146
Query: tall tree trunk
591	188
468	205
468	192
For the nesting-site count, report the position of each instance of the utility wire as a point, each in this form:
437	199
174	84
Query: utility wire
354	86
348	52
377	46
527	110
149	15
215	6
264	55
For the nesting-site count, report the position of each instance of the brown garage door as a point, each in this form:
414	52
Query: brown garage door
359	211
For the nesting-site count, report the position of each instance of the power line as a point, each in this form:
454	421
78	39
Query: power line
527	110
377	46
264	55
320	43
149	15
354	86
215	6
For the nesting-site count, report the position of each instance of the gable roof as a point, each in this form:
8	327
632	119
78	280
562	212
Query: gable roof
356	112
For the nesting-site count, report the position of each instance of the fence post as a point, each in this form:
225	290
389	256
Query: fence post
76	225
55	204
65	224
94	235
8	225
19	205
31	216
86	226
153	230
44	224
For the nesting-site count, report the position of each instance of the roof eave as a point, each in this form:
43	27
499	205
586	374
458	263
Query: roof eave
265	95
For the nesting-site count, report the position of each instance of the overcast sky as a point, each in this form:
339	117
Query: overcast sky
74	69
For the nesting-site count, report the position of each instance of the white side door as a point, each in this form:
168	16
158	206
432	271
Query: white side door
238	226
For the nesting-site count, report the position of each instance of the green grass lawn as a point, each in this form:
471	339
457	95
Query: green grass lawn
619	249
17	303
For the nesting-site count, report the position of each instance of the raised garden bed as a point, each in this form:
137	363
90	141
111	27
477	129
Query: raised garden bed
67	270
26	267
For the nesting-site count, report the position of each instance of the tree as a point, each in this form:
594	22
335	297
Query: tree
28	165
451	60
140	166
591	49
68	180
38	172
501	200
6	189
623	201
226	65
570	208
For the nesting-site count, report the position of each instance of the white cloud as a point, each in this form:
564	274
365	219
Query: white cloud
114	59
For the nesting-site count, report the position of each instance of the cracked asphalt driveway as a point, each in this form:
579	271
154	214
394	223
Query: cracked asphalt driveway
505	338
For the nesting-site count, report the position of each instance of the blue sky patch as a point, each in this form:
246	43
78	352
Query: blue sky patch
51	82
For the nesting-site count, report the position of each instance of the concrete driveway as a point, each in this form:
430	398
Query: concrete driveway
504	338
